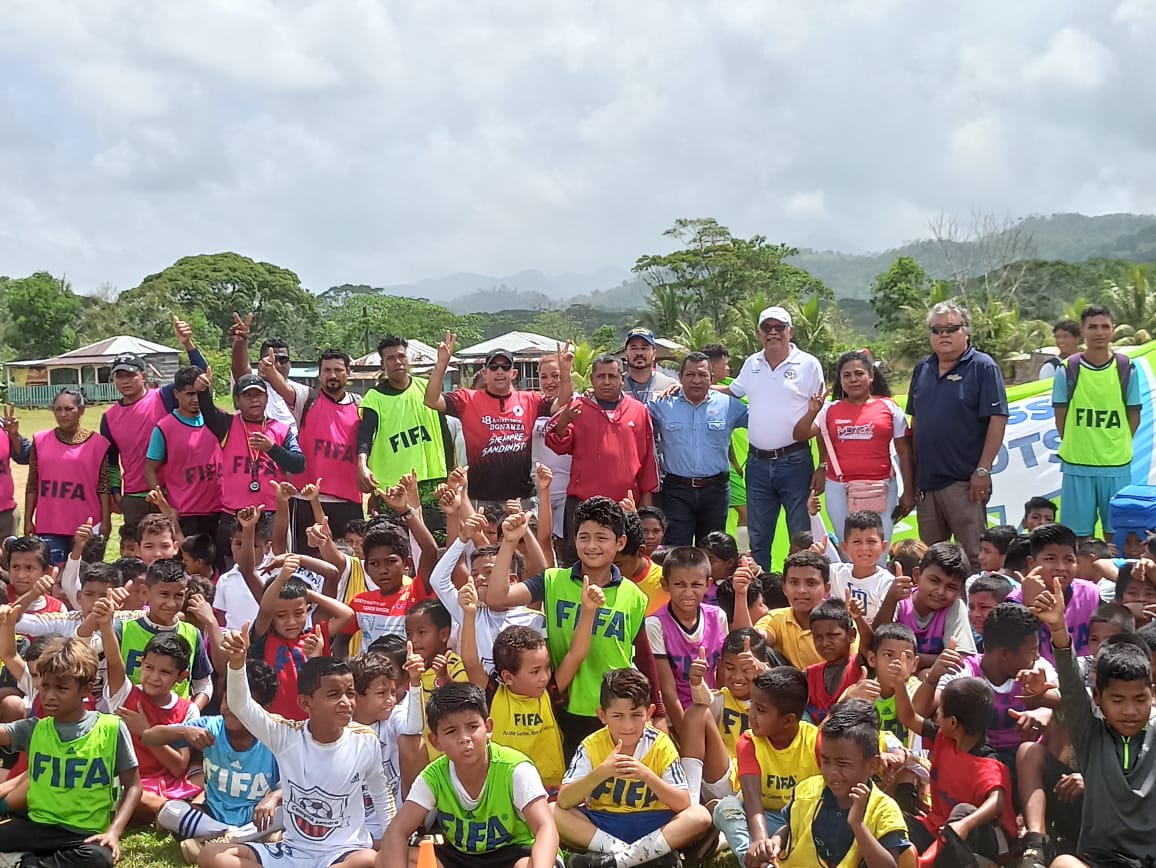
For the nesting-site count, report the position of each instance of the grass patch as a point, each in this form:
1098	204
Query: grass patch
148	848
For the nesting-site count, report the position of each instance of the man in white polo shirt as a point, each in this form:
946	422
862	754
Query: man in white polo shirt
778	383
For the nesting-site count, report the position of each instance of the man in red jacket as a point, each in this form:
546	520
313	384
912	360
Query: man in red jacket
611	440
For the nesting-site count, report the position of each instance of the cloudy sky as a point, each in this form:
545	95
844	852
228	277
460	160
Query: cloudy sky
375	142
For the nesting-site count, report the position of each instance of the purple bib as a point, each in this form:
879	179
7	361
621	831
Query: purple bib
1077	615
929	639
1001	731
681	652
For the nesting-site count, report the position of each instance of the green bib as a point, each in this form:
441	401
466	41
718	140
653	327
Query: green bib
135	637
71	783
1096	432
612	643
408	437
495	822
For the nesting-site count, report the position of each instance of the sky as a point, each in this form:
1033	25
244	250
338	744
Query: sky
373	142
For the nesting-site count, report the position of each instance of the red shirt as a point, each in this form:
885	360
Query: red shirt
498	434
380	614
862	435
613	450
961	778
51	604
819	701
286	658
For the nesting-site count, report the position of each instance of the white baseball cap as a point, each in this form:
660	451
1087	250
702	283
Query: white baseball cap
776	313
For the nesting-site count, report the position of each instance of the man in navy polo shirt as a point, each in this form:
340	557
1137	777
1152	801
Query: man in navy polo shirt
958	408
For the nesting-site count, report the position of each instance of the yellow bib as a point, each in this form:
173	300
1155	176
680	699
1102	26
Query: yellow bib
527	725
882	817
626	795
733	721
783	769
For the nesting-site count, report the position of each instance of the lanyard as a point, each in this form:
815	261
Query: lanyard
254	456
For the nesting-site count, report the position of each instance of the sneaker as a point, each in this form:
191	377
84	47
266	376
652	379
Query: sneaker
702	850
12	860
1035	851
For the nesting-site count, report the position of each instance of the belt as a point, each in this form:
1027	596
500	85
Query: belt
776	454
696	481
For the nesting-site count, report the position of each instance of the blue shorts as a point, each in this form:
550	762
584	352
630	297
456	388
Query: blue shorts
1082	497
630	826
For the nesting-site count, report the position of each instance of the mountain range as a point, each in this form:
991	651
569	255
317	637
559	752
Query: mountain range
1065	237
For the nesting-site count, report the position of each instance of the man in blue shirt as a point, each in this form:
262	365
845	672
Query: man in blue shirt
958	408
696	425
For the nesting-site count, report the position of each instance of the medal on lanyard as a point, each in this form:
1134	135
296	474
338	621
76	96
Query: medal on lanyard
254	460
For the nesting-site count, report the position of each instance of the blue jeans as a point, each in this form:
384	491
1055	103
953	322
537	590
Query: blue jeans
692	513
58	547
730	818
771	486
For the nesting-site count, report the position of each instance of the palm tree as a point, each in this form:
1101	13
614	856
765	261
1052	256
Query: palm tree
697	336
1133	305
665	307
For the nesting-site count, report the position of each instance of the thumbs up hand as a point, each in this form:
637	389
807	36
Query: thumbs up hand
414	665
698	668
950	660
593	597
854	607
314	644
750	665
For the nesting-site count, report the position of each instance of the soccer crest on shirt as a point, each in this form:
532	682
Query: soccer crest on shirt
315	812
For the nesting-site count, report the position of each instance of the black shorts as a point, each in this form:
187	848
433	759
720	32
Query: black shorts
504	857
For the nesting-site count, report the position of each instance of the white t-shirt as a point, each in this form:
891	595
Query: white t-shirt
869	591
527	786
234	598
322	783
778	397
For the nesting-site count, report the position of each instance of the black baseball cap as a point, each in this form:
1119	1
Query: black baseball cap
247	382
128	362
499	354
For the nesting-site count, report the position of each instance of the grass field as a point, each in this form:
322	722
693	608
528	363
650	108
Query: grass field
147	848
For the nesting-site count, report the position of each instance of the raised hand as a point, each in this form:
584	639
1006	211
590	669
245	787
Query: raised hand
290	566
260	441
468	596
593	597
474	527
183	332
1049	607
865	688
200	612
414	665
446	348
286	491
318	535
627	503
748	662
312	490
949	660
314	644
901	586
859	795
514	527
698	668
854	607
248	516
459	478
1033	583
267	365
1033	682
816	401
395	498
448	498
235	644
565	357
543	476
514	506
567	415
83	534
240	329
204	381
9	421
157	498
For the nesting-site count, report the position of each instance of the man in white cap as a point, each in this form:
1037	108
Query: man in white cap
778	383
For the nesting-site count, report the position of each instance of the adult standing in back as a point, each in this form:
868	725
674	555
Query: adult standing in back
399	433
330	420
68	481
128	424
778	383
1096	395
13	447
498	422
958	408
643	382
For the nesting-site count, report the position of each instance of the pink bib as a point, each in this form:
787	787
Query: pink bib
7	487
329	440
193	465
131	426
67	478
238	474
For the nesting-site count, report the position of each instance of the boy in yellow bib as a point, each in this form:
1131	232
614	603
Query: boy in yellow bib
839	818
624	798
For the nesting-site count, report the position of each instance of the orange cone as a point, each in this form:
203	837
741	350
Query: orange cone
426	858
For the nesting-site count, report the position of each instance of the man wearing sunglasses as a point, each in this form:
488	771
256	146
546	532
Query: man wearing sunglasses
274	355
958	409
497	422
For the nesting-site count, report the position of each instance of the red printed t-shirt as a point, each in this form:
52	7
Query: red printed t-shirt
380	614
45	606
498	434
286	658
862	435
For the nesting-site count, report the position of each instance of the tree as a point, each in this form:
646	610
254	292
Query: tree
901	286
209	288
1133	305
42	312
557	324
359	321
604	338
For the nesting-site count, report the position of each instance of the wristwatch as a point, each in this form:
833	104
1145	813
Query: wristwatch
982	472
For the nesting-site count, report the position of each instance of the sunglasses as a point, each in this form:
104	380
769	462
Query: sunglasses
769	329
947	329
494	367
281	360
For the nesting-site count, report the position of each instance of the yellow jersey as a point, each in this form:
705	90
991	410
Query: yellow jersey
528	725
781	770
882	817
626	795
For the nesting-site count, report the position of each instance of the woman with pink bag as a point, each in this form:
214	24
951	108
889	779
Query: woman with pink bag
856	432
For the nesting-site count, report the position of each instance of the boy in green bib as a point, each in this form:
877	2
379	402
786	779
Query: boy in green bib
73	756
490	800
618	637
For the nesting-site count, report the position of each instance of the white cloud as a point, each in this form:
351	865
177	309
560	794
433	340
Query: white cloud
1074	60
373	142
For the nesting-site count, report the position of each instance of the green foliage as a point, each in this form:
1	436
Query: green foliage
357	321
42	312
604	338
208	289
901	286
1133	305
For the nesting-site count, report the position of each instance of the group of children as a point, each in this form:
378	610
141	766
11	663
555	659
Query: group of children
624	710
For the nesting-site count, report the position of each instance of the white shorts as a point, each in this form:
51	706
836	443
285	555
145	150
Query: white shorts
282	855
